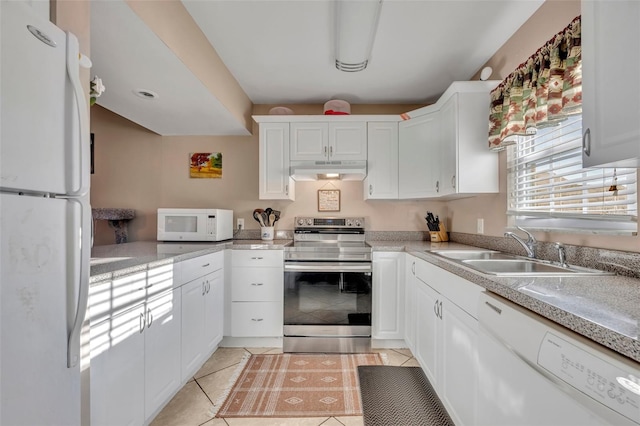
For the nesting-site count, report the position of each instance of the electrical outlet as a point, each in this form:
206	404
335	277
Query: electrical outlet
480	226
240	223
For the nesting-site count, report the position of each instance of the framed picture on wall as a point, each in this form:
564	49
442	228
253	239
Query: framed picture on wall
207	165
328	200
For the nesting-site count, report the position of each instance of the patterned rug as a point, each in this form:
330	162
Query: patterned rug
297	385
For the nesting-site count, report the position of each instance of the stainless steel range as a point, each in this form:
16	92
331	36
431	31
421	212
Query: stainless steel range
327	279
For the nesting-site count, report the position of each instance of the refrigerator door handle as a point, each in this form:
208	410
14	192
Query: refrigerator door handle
73	71
73	343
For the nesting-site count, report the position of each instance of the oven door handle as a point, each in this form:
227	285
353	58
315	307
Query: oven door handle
327	266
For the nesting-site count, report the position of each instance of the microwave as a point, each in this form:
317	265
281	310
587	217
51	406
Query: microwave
195	224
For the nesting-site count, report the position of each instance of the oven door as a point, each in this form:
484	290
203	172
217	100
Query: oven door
327	306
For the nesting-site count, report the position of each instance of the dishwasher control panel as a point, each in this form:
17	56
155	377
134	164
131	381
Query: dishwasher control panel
599	379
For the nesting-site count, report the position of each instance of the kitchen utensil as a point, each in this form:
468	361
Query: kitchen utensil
265	218
276	213
272	219
258	217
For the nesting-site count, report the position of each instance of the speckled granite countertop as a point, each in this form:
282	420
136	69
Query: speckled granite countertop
117	260
604	309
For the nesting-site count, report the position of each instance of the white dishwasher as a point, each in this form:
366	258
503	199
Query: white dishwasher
535	372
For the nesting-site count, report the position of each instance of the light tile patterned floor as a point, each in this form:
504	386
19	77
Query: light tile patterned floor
191	405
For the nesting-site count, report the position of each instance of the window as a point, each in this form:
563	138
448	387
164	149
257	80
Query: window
549	190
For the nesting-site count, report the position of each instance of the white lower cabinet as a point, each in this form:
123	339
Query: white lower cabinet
410	302
149	332
388	295
135	361
202	319
257	291
446	338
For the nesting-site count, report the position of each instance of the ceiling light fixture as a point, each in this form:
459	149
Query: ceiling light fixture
145	94
356	24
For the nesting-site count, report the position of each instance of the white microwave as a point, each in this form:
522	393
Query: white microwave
195	224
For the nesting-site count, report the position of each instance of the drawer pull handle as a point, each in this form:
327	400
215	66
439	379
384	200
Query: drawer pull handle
205	265
256	258
256	319
257	284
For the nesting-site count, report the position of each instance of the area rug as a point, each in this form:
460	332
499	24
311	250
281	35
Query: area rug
400	396
297	385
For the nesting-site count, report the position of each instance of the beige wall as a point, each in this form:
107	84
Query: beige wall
139	169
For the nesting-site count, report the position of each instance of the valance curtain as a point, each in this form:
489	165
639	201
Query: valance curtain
541	92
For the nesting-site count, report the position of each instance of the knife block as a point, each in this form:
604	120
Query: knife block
439	236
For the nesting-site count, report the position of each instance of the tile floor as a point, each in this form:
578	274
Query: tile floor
191	405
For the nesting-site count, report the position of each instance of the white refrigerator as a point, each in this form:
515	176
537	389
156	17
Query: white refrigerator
45	231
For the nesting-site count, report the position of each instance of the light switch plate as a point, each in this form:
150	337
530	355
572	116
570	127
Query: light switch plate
480	226
240	223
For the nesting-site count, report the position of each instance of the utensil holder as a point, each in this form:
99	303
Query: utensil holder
266	233
439	236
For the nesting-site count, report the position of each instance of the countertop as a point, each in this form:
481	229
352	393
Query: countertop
603	308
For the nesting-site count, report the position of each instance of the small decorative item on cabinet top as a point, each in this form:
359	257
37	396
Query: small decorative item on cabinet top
328	200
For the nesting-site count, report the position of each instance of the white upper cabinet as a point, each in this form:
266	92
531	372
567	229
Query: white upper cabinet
443	147
274	180
382	161
611	83
328	141
467	166
419	154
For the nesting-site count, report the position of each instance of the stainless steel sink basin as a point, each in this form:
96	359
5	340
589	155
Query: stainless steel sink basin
504	264
472	254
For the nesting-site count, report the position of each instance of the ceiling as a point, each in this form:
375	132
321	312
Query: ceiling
281	52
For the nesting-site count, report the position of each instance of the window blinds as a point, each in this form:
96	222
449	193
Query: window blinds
549	189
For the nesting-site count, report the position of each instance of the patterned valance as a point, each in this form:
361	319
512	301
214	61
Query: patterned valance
542	91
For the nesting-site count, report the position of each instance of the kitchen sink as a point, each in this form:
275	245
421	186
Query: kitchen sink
503	264
472	254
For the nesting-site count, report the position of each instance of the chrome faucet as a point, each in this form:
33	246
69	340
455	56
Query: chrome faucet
562	254
529	245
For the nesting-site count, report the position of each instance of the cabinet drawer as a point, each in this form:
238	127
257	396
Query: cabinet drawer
256	319
257	285
274	258
191	269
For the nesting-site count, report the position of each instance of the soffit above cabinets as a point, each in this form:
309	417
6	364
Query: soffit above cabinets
128	56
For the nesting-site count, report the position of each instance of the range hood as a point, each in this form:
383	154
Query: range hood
314	170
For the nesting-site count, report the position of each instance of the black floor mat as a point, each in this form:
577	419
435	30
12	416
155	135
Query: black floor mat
399	396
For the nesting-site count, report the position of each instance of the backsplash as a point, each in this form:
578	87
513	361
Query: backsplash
620	262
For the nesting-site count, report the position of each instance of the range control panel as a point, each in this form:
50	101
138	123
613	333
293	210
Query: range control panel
598	379
330	222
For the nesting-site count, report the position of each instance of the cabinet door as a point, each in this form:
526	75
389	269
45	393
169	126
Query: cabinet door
428	332
309	141
449	142
460	368
213	311
419	155
192	327
410	303
348	141
382	161
117	369
162	349
388	296
610	83
274	180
